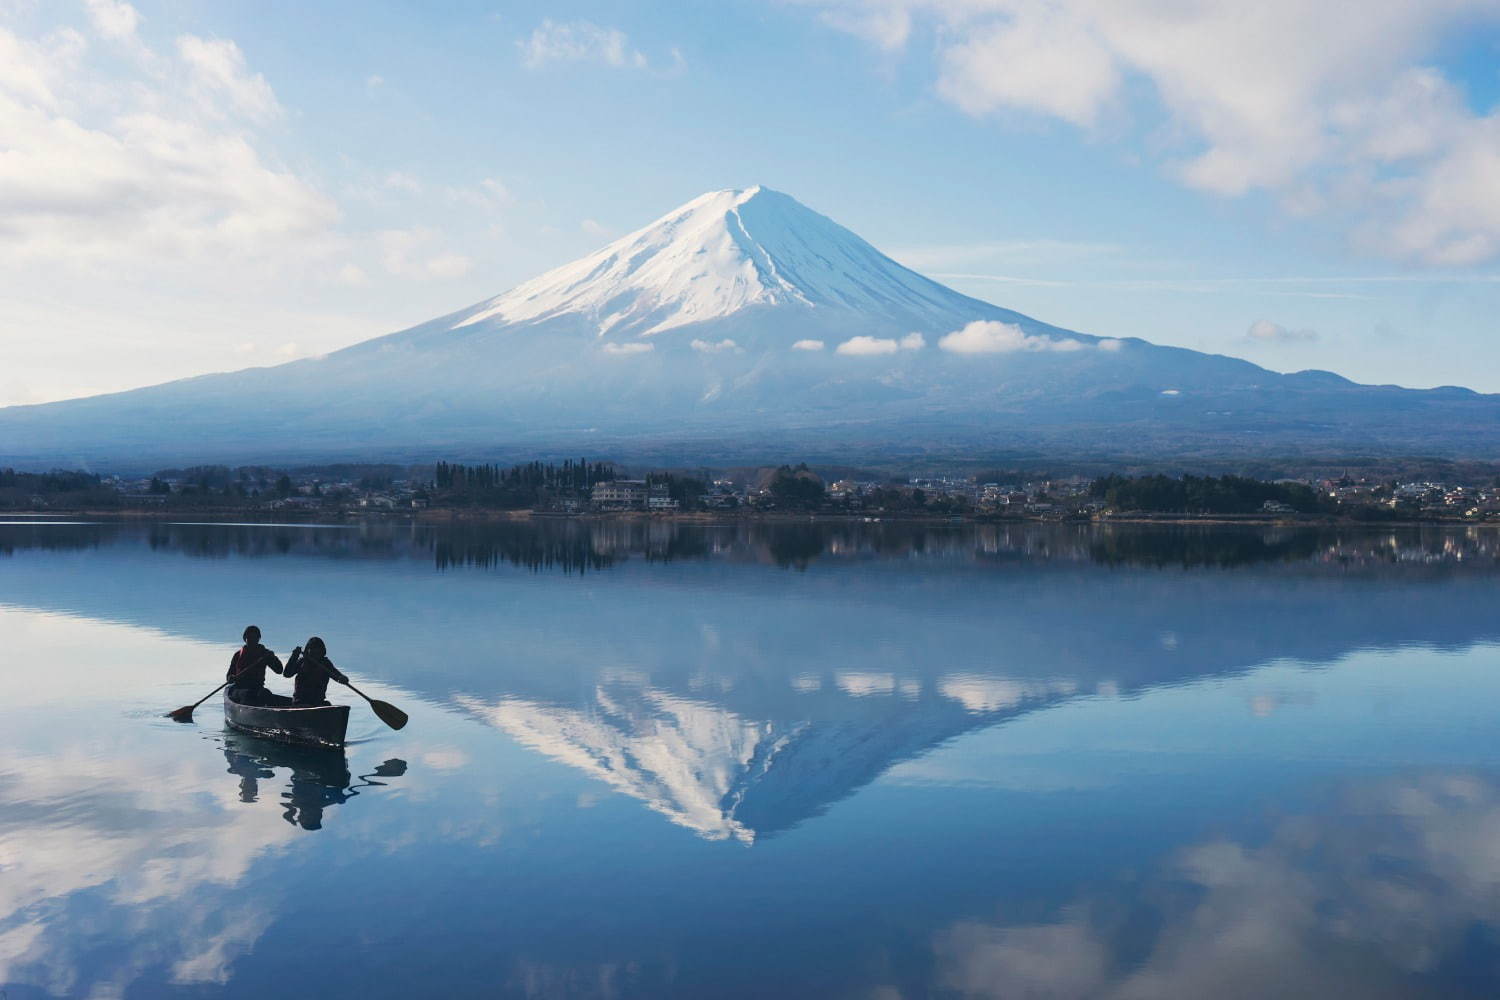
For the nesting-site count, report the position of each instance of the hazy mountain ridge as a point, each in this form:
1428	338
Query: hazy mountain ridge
739	324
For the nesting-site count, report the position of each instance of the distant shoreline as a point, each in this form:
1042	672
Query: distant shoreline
442	515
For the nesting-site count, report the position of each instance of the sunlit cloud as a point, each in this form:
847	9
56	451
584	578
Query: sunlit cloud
715	346
584	42
1335	116
873	346
993	337
633	347
1263	331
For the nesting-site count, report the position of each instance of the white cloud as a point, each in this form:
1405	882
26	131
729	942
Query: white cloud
130	173
993	337
407	253
374	81
633	347
714	346
887	25
868	346
114	19
495	188
1111	345
808	345
353	275
593	227
865	684
449	265
860	346
445	759
579	41
399	180
1263	331
1041	58
218	69
489	195
1331	113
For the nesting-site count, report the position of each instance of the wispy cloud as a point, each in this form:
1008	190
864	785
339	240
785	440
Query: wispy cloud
1333	116
1319	287
161	163
411	253
587	42
114	19
988	255
1263	331
219	70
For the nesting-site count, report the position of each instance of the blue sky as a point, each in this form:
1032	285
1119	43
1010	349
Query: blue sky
192	186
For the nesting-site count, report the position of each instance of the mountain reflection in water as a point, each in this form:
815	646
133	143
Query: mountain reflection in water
738	708
795	759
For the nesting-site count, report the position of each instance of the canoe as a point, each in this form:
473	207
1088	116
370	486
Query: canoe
323	726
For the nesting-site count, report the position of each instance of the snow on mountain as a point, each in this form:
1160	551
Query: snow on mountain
728	777
723	252
743	324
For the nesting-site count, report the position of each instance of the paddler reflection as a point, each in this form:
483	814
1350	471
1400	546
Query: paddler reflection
319	778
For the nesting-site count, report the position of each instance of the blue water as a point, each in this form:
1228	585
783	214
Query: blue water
657	760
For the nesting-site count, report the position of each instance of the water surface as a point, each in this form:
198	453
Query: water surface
799	760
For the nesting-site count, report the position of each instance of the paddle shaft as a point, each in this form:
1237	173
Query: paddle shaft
357	691
211	694
384	710
186	711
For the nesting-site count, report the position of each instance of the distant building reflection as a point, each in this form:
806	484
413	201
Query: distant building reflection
319	779
575	545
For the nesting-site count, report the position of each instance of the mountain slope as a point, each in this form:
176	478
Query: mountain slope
739	325
718	254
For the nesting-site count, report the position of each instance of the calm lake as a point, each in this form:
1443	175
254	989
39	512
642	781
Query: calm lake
796	760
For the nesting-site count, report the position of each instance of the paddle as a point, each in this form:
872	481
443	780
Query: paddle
185	713
389	714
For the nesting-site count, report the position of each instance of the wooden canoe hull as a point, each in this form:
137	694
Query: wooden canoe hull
318	727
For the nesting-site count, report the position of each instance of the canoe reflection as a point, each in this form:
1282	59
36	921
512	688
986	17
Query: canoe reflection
319	778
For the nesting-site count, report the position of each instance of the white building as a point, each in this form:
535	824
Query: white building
620	493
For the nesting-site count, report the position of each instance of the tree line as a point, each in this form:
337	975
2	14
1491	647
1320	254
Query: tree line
1201	494
519	485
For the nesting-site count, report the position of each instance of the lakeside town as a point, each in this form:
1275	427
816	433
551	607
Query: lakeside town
582	488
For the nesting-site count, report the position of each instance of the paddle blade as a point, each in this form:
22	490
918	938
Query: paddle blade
183	714
388	713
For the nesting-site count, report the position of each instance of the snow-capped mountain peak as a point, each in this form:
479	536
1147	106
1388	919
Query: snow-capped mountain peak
715	256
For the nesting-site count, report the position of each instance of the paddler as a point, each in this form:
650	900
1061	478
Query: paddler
313	670
247	669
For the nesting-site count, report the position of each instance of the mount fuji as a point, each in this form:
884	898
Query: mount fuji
745	325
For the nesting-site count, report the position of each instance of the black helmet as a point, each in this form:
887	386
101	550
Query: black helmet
252	634
315	646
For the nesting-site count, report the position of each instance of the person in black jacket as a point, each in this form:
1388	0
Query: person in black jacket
247	669
313	669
